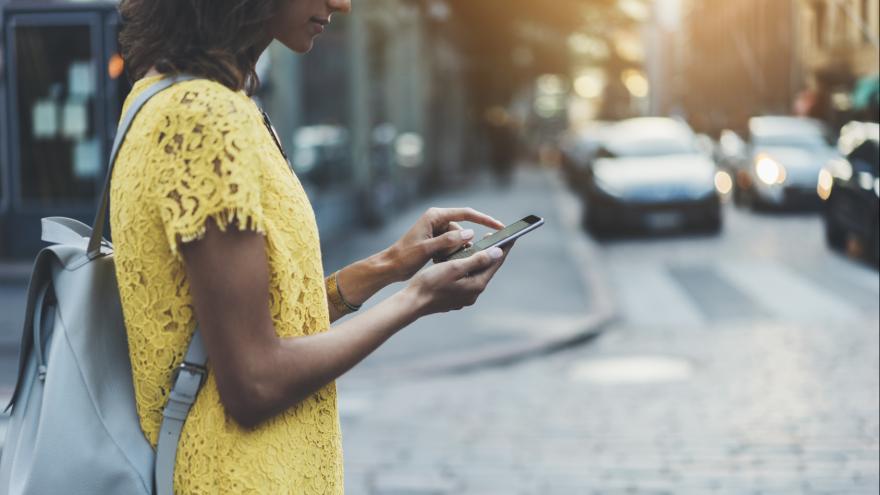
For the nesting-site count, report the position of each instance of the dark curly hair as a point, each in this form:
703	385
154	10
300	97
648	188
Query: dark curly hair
215	39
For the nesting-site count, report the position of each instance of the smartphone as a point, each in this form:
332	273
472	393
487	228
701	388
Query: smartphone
501	238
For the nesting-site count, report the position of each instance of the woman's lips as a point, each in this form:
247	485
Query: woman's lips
320	23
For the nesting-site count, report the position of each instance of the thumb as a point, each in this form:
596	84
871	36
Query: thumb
477	262
449	241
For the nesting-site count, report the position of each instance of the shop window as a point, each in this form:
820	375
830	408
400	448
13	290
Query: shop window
59	148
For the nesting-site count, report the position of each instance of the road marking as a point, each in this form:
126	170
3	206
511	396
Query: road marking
649	296
858	284
714	295
784	293
631	370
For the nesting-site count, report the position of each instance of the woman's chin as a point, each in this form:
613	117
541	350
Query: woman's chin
303	46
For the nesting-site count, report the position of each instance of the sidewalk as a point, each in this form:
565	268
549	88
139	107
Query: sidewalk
515	317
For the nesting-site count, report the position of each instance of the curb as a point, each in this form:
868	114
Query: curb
587	259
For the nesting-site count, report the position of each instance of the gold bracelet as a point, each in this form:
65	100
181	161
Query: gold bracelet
334	295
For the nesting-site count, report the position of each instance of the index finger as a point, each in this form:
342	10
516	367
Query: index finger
447	215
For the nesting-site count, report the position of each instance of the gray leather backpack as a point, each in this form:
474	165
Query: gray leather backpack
74	426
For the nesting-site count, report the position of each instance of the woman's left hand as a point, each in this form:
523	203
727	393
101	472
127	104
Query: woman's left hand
437	233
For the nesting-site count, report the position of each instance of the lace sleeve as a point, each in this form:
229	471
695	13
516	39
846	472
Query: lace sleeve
208	168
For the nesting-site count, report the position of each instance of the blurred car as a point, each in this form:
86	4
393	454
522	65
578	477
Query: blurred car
648	173
578	150
785	157
731	154
850	189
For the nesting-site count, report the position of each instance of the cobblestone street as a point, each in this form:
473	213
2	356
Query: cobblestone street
765	408
772	390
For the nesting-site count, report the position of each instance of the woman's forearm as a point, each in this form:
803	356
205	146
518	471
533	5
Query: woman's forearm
297	367
361	280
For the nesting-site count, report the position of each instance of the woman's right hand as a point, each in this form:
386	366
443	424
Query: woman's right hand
453	285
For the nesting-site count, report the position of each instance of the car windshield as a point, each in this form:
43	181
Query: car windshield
801	140
788	132
652	138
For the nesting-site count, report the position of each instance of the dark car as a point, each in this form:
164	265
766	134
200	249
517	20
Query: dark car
785	157
649	174
850	189
578	150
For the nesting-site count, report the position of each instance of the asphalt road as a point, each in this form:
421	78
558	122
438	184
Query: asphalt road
740	363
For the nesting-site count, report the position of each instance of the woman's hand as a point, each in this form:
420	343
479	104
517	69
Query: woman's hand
453	285
435	234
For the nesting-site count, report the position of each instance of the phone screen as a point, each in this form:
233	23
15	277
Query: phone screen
502	234
498	238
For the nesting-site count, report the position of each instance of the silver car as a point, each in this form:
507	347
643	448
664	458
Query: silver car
786	155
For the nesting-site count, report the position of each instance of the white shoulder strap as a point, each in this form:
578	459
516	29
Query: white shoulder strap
136	106
188	379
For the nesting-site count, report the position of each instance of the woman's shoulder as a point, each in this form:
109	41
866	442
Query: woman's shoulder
203	100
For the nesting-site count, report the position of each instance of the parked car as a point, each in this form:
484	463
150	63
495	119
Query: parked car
578	150
850	189
785	157
648	173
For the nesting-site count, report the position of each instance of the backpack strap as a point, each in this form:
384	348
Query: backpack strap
188	379
190	376
94	249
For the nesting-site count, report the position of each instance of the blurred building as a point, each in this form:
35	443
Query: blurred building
740	59
665	49
840	36
839	49
754	57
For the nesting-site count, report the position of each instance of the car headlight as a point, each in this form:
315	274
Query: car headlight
769	171
723	182
826	182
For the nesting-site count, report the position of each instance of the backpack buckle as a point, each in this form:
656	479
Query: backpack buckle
183	376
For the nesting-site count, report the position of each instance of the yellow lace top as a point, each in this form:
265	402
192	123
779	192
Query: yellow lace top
196	151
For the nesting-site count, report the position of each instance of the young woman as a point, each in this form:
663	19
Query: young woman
211	227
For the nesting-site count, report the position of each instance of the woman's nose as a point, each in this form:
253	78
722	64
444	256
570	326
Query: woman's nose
343	6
